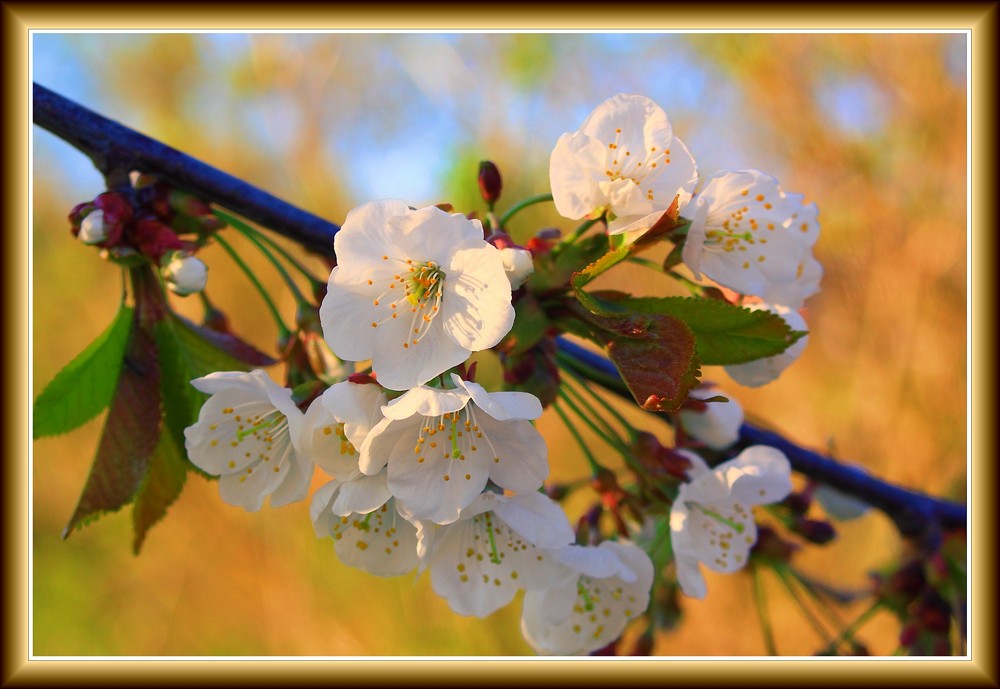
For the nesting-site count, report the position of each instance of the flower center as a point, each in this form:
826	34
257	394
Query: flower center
420	286
623	163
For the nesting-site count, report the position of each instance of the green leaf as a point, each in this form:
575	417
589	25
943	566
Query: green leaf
554	270
181	401
654	353
164	482
530	326
84	388
207	351
130	433
725	333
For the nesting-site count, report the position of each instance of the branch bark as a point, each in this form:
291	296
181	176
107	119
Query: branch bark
116	149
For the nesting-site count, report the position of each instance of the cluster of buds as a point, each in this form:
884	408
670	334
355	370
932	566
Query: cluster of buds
927	594
150	222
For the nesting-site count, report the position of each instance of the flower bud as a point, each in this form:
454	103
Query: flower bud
490	182
184	274
518	265
814	530
92	228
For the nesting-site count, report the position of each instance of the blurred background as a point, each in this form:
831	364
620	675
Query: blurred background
870	127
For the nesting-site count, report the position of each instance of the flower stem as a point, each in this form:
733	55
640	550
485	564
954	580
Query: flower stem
238	224
254	237
283	331
560	358
615	442
806	611
765	620
595	466
849	631
517	207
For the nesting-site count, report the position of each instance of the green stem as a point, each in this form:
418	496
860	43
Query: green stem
238	224
613	441
562	358
593	414
517	207
765	620
849	631
690	285
577	233
300	299
831	616
806	611
645	263
595	466
283	331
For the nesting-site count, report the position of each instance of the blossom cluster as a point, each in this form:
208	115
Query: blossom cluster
428	470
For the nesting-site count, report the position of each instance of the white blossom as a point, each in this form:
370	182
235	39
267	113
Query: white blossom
367	530
750	236
92	228
711	520
441	447
718	424
337	423
497	545
588	607
762	371
184	274
519	265
624	160
247	435
414	291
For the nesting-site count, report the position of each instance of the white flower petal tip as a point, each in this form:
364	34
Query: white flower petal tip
379	541
711	520
624	159
247	434
750	236
519	265
718	424
442	446
753	374
585	612
497	546
414	291
92	228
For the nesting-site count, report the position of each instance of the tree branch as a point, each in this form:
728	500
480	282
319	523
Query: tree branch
115	148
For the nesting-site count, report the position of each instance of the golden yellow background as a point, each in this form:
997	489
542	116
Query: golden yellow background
871	127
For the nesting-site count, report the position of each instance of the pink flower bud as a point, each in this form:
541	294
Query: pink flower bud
490	182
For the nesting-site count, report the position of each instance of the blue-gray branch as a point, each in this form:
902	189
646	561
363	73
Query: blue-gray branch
117	150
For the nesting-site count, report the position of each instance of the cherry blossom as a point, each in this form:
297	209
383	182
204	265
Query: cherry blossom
415	291
711	520
247	434
588	607
753	374
497	545
442	446
337	423
718	424
625	161
750	236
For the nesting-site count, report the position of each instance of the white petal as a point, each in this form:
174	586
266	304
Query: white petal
358	407
476	311
437	488
718	426
362	495
595	562
381	542
365	235
762	371
502	406
538	518
295	486
759	475
690	578
425	401
319	508
515	452
323	444
250	488
576	166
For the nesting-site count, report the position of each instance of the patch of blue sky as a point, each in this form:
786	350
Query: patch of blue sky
856	106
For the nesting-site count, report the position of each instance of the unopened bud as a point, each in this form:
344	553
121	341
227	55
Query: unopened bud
557	491
770	545
518	265
185	274
92	228
814	530
490	182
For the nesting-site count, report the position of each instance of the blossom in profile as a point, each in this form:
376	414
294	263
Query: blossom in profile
497	545
750	236
337	423
716	424
519	265
624	161
753	374
585	609
246	434
442	446
711	520
415	291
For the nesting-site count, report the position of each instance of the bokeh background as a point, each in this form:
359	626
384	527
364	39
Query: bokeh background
871	127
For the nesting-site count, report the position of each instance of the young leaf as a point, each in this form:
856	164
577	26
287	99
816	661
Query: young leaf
84	388
655	355
130	433
164	482
724	333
